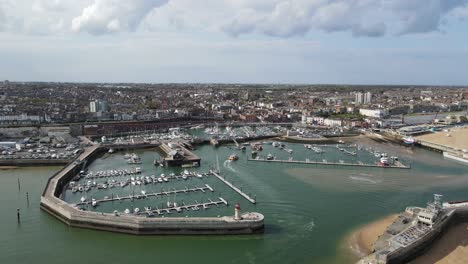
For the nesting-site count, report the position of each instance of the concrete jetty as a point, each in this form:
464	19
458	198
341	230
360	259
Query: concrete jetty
179	209
147	195
250	199
397	165
133	224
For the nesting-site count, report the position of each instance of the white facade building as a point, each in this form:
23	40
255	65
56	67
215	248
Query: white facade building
363	98
333	122
376	113
98	106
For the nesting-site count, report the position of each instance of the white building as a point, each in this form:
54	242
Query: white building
368	98
375	113
98	106
333	122
363	98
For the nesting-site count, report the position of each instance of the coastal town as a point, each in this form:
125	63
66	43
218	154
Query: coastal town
56	113
161	159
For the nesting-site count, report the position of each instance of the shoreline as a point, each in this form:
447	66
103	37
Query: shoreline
360	241
8	167
451	247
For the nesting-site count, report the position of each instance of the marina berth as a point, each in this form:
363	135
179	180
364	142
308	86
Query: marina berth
138	220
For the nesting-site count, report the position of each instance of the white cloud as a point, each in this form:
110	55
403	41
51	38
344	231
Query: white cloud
460	12
2	20
422	16
298	17
108	16
278	18
360	17
49	5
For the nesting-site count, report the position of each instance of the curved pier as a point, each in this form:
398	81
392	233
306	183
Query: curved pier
133	224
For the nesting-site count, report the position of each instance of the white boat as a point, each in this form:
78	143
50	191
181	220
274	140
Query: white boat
269	156
83	199
384	161
409	140
94	203
127	211
134	161
136	210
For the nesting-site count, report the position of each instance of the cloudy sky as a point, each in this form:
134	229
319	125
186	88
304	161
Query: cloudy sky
241	41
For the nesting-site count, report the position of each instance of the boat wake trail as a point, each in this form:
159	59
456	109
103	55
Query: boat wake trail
228	165
363	179
309	226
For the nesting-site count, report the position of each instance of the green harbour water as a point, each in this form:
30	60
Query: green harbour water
309	209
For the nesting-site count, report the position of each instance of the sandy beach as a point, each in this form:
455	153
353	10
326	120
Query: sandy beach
458	138
361	240
451	248
8	167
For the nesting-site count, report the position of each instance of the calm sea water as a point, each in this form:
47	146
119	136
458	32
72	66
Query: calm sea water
309	210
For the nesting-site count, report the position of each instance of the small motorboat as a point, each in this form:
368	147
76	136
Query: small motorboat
233	157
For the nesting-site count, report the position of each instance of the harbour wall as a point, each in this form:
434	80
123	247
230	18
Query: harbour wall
453	156
130	224
34	162
309	140
28	131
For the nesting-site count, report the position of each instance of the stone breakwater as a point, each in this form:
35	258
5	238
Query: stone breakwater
250	223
